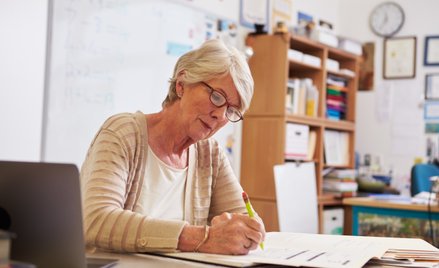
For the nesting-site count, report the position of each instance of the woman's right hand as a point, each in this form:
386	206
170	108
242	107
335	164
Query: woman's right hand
234	234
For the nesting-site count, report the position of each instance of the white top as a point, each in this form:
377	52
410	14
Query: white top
163	190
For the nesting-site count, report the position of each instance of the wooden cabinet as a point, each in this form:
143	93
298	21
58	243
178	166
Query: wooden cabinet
264	126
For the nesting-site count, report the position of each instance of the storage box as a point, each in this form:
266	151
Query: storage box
351	46
295	55
312	60
332	65
333	221
324	37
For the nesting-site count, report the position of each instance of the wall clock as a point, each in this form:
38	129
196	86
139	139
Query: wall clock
387	19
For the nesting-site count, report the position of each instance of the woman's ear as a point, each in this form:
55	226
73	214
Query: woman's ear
179	85
179	89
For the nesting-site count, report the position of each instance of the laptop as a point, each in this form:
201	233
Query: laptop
41	204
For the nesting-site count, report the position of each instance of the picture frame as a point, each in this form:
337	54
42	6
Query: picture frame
431	50
432	86
399	60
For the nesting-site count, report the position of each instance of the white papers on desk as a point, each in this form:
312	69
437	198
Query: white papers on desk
312	250
296	141
296	197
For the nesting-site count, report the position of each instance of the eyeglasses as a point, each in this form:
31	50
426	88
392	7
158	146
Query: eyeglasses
219	100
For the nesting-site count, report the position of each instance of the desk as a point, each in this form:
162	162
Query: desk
147	260
367	216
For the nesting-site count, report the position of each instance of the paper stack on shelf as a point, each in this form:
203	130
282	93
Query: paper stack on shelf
341	181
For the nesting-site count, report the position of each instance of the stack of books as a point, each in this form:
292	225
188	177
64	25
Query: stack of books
342	182
336	98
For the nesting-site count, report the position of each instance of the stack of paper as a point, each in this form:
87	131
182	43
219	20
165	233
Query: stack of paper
408	258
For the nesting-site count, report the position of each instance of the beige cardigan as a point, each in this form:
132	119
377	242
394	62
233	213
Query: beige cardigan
113	173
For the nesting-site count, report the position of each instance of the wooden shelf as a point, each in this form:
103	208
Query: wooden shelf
329	199
303	66
339	125
303	119
264	127
340	74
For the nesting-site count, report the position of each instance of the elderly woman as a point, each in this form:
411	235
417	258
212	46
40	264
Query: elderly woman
158	182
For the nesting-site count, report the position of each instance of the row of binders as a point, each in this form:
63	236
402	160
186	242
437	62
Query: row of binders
302	97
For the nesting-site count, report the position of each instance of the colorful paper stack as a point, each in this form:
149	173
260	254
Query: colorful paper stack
336	98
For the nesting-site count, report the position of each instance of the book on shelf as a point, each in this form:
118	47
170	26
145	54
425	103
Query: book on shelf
302	97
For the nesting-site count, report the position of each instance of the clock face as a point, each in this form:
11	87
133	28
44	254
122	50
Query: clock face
387	19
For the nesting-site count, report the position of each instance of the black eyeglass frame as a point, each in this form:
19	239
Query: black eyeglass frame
234	109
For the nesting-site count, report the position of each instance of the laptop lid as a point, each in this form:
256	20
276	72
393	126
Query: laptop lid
41	204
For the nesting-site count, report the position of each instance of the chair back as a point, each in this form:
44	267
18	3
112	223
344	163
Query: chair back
420	177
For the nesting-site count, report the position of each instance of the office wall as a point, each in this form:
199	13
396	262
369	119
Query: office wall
22	50
22	54
390	118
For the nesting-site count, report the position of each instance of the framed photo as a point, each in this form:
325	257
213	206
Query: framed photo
431	50
432	86
399	58
254	12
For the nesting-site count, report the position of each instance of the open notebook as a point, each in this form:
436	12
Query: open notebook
41	204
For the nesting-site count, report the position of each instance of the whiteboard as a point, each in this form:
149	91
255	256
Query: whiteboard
107	57
296	197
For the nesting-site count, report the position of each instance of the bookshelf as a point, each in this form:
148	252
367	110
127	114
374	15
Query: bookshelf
264	127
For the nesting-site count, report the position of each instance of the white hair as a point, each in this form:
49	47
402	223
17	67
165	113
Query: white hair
213	59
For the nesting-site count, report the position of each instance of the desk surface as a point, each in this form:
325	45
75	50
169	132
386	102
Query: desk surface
147	260
370	202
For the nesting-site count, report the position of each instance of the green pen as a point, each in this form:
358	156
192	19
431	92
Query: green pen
250	212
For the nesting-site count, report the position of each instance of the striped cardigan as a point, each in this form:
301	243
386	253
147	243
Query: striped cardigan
112	176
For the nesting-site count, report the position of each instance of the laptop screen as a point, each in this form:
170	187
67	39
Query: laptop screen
41	204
